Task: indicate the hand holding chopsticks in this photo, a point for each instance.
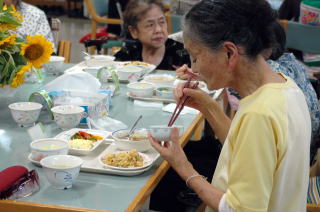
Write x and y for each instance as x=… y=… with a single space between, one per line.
x=181 y=102
x=183 y=72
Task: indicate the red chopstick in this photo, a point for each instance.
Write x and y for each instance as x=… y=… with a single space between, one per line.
x=181 y=98
x=181 y=104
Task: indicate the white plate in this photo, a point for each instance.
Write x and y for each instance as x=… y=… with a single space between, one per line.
x=147 y=161
x=37 y=163
x=142 y=65
x=154 y=98
x=68 y=134
x=160 y=79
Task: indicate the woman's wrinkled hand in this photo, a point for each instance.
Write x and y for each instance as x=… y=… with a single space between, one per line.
x=198 y=100
x=171 y=151
x=182 y=72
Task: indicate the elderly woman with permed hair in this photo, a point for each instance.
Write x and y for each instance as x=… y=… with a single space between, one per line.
x=264 y=162
x=146 y=23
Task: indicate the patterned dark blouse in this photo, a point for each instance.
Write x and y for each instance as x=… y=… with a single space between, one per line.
x=175 y=54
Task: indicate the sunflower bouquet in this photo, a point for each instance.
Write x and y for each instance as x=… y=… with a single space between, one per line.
x=18 y=56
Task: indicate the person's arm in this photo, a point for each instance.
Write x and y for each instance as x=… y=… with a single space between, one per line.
x=315 y=168
x=218 y=120
x=176 y=157
x=210 y=108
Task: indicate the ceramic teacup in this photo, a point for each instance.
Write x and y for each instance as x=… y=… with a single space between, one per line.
x=68 y=116
x=54 y=65
x=25 y=113
x=61 y=170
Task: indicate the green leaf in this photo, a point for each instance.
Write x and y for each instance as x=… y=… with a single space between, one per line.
x=7 y=18
x=1 y=5
x=13 y=74
x=19 y=59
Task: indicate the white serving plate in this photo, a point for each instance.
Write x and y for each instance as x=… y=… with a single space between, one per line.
x=147 y=161
x=147 y=68
x=154 y=98
x=66 y=135
x=92 y=164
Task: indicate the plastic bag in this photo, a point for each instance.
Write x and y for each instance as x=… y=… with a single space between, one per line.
x=106 y=123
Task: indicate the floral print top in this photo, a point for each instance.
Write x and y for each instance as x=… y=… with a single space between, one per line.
x=290 y=66
x=34 y=22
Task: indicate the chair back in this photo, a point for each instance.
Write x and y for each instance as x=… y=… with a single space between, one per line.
x=173 y=22
x=302 y=37
x=93 y=6
x=101 y=7
x=64 y=50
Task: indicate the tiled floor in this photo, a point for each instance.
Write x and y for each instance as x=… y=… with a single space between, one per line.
x=72 y=29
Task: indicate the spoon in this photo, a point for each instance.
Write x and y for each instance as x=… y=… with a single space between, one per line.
x=87 y=54
x=134 y=124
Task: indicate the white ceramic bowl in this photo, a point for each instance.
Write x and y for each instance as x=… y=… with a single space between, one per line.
x=42 y=148
x=129 y=144
x=98 y=60
x=25 y=113
x=61 y=170
x=129 y=72
x=165 y=92
x=68 y=116
x=163 y=132
x=54 y=66
x=141 y=89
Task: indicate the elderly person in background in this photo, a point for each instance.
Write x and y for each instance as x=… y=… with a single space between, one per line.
x=146 y=23
x=264 y=162
x=34 y=20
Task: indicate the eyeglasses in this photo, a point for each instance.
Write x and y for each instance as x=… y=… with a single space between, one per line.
x=25 y=186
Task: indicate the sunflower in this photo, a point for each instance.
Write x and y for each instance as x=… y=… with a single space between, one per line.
x=5 y=27
x=16 y=14
x=19 y=78
x=37 y=50
x=8 y=41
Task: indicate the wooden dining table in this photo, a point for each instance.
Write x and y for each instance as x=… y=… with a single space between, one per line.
x=91 y=191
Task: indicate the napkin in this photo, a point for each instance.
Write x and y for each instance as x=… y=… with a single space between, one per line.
x=148 y=104
x=186 y=110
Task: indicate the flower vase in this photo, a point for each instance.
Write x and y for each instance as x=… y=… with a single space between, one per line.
x=7 y=96
x=34 y=75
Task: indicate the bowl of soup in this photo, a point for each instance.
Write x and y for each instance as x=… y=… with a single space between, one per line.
x=129 y=73
x=61 y=170
x=165 y=92
x=163 y=132
x=42 y=148
x=137 y=140
x=141 y=89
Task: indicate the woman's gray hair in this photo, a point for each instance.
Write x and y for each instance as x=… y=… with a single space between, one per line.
x=246 y=23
